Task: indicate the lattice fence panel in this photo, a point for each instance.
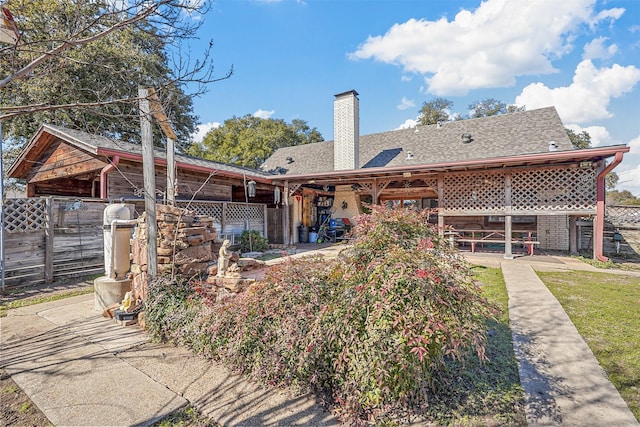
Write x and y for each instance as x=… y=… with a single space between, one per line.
x=554 y=189
x=473 y=192
x=431 y=183
x=623 y=214
x=210 y=209
x=23 y=215
x=240 y=212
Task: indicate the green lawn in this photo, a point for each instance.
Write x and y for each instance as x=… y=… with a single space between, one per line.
x=490 y=393
x=605 y=308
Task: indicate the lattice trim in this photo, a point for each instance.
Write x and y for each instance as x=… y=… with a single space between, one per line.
x=554 y=189
x=474 y=192
x=623 y=214
x=210 y=209
x=23 y=215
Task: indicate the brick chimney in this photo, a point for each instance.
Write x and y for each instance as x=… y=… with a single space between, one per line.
x=346 y=130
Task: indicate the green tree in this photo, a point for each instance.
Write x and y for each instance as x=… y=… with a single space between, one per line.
x=434 y=111
x=491 y=107
x=623 y=197
x=249 y=140
x=611 y=180
x=79 y=63
x=487 y=107
x=580 y=140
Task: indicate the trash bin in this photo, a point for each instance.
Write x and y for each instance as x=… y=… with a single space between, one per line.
x=313 y=237
x=303 y=234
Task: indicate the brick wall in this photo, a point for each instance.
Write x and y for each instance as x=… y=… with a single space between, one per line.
x=553 y=232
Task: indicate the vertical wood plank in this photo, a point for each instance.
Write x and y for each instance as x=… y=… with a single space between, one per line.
x=48 y=241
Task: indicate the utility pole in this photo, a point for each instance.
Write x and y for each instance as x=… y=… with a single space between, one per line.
x=149 y=177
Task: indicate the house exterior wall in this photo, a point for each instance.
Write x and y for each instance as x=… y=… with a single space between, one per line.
x=344 y=193
x=553 y=232
x=127 y=181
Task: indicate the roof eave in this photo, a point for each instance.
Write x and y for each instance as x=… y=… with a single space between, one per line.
x=183 y=165
x=526 y=159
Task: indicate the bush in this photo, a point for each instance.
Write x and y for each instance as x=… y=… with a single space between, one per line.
x=253 y=241
x=370 y=331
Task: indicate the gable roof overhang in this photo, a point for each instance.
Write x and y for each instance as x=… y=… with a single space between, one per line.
x=529 y=160
x=102 y=146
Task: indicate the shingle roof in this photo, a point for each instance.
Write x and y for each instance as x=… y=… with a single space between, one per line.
x=515 y=134
x=92 y=143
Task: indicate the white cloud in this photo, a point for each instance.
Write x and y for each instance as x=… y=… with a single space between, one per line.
x=484 y=48
x=599 y=135
x=203 y=129
x=263 y=114
x=408 y=124
x=634 y=144
x=629 y=179
x=629 y=170
x=596 y=49
x=588 y=96
x=406 y=103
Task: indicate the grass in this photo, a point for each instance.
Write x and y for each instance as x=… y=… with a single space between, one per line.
x=41 y=299
x=188 y=416
x=604 y=309
x=490 y=393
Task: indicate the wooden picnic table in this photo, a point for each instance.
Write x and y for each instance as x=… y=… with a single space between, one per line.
x=482 y=236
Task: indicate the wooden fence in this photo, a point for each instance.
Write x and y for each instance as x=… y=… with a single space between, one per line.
x=52 y=239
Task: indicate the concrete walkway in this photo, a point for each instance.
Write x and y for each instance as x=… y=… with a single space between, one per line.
x=562 y=380
x=82 y=369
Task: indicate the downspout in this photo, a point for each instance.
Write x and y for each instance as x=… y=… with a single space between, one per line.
x=598 y=237
x=103 y=175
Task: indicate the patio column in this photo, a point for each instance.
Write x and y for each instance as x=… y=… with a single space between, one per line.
x=508 y=253
x=286 y=227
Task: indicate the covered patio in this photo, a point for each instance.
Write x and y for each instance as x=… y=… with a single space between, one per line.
x=531 y=201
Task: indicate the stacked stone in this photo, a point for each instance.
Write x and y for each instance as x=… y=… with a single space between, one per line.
x=185 y=245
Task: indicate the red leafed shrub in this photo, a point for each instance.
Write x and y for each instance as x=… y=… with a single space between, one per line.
x=369 y=331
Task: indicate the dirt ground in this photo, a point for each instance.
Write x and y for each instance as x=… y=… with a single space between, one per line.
x=16 y=409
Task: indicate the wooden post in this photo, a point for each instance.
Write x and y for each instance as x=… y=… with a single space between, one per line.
x=149 y=177
x=573 y=235
x=441 y=223
x=171 y=172
x=165 y=125
x=48 y=241
x=508 y=252
x=287 y=214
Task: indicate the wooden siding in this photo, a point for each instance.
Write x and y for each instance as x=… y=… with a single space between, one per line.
x=62 y=160
x=126 y=181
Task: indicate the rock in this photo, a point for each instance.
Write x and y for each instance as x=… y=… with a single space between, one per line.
x=200 y=253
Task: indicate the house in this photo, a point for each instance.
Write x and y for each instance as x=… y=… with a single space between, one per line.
x=493 y=176
x=64 y=162
x=510 y=179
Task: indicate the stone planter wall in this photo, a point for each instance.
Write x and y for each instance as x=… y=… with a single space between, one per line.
x=187 y=247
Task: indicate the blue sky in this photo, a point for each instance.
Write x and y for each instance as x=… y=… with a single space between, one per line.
x=290 y=57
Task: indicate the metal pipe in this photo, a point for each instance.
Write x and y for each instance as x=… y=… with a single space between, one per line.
x=103 y=175
x=112 y=274
x=598 y=237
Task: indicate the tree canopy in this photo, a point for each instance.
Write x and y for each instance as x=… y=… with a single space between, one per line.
x=579 y=140
x=79 y=63
x=491 y=107
x=249 y=140
x=434 y=111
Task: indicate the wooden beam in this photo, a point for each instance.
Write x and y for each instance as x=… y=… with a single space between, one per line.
x=149 y=177
x=160 y=116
